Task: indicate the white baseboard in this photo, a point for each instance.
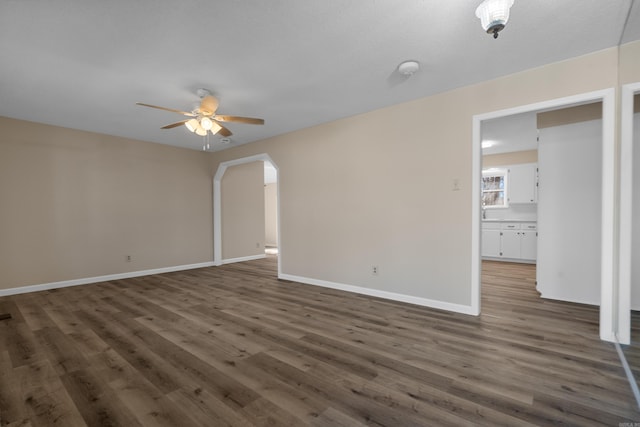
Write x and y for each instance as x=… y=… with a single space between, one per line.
x=242 y=259
x=332 y=285
x=571 y=300
x=97 y=279
x=458 y=308
x=516 y=260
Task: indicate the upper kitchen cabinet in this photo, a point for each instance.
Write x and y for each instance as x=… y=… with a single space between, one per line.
x=523 y=183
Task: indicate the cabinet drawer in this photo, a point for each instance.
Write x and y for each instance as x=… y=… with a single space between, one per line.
x=510 y=226
x=491 y=226
x=529 y=226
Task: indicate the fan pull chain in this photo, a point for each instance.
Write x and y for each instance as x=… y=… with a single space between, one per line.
x=205 y=145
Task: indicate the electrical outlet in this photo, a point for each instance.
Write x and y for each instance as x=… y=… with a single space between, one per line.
x=374 y=270
x=455 y=184
x=127 y=258
x=257 y=244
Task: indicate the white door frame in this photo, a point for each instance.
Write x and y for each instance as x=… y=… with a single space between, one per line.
x=217 y=204
x=626 y=204
x=607 y=288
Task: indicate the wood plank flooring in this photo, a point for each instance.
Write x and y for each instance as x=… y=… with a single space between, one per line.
x=234 y=346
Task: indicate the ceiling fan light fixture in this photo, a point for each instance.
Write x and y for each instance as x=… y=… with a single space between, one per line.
x=215 y=127
x=494 y=15
x=192 y=125
x=201 y=131
x=206 y=123
x=202 y=119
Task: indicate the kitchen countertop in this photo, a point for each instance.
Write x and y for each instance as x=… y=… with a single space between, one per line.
x=509 y=220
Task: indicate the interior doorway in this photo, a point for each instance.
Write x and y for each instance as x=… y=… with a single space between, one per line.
x=628 y=331
x=270 y=209
x=606 y=257
x=629 y=293
x=509 y=204
x=218 y=207
x=540 y=203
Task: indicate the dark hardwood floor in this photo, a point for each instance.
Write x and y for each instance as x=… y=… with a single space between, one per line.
x=234 y=346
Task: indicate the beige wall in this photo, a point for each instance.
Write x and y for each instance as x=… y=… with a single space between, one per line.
x=630 y=63
x=358 y=192
x=547 y=119
x=567 y=116
x=74 y=204
x=271 y=214
x=243 y=218
x=513 y=158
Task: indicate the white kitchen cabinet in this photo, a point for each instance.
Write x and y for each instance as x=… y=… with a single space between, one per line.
x=523 y=183
x=528 y=244
x=510 y=244
x=491 y=240
x=510 y=241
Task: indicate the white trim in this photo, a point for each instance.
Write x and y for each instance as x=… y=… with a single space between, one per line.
x=607 y=96
x=98 y=279
x=243 y=259
x=608 y=257
x=217 y=221
x=626 y=214
x=217 y=205
x=464 y=309
x=476 y=220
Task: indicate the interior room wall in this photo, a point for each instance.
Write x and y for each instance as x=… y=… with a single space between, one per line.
x=407 y=216
x=567 y=116
x=635 y=238
x=74 y=204
x=513 y=158
x=271 y=214
x=243 y=211
x=390 y=200
x=629 y=70
x=569 y=212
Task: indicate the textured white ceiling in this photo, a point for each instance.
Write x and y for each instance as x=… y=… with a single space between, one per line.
x=84 y=63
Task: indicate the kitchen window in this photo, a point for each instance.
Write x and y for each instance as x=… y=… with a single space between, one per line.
x=494 y=188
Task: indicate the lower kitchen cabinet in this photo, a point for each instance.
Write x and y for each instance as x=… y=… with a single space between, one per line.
x=510 y=244
x=510 y=241
x=528 y=244
x=491 y=242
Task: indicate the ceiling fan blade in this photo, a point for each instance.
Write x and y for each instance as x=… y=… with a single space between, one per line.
x=208 y=105
x=238 y=119
x=224 y=131
x=166 y=109
x=175 y=125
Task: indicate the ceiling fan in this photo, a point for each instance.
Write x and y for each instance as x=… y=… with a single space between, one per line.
x=204 y=118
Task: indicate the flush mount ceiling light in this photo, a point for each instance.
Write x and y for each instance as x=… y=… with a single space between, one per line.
x=408 y=68
x=494 y=15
